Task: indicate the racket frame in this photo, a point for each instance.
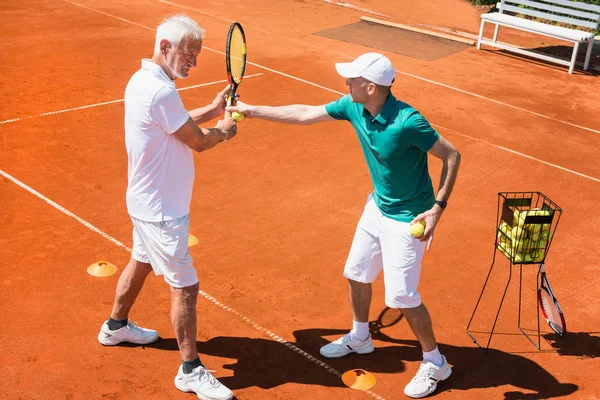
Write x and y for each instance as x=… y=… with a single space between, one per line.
x=230 y=80
x=544 y=285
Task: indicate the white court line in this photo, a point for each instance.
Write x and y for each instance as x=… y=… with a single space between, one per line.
x=462 y=134
x=520 y=154
x=213 y=50
x=110 y=15
x=114 y=101
x=500 y=102
x=207 y=296
x=348 y=5
x=401 y=72
x=64 y=210
x=334 y=91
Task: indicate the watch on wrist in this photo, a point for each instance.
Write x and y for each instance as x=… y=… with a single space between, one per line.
x=441 y=203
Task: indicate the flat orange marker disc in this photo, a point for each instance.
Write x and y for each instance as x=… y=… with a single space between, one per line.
x=101 y=269
x=192 y=240
x=359 y=379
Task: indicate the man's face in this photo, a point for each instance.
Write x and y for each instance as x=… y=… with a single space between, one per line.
x=179 y=61
x=359 y=89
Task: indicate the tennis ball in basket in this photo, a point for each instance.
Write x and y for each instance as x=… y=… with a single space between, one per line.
x=546 y=235
x=519 y=218
x=236 y=116
x=537 y=256
x=504 y=247
x=517 y=244
x=517 y=232
x=504 y=227
x=535 y=228
x=417 y=228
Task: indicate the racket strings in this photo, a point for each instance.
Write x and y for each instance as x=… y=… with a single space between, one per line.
x=237 y=51
x=551 y=312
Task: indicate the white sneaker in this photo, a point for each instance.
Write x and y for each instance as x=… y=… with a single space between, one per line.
x=130 y=333
x=425 y=381
x=201 y=382
x=347 y=344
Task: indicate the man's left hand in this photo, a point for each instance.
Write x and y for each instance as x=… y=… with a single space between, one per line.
x=431 y=218
x=221 y=100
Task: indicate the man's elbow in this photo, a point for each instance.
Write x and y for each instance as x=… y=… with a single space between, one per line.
x=457 y=156
x=197 y=145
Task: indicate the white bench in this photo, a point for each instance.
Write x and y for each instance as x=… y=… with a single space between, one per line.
x=578 y=14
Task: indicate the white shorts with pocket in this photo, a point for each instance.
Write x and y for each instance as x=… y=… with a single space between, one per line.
x=381 y=243
x=164 y=245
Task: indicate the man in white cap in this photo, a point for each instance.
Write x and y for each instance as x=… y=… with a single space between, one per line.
x=395 y=140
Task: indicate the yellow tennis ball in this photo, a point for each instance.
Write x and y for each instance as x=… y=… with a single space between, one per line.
x=518 y=232
x=417 y=228
x=236 y=116
x=538 y=256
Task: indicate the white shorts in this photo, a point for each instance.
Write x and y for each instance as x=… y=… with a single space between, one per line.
x=164 y=245
x=384 y=243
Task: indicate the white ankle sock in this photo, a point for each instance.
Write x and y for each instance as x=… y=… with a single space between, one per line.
x=434 y=356
x=360 y=329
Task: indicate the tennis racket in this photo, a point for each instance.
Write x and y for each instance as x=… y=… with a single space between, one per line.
x=235 y=59
x=549 y=305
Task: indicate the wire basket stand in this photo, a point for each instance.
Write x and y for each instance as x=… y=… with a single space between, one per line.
x=525 y=226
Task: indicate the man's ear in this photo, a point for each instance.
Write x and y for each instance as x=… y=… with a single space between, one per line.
x=165 y=45
x=371 y=88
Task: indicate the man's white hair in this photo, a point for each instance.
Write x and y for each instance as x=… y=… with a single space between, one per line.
x=175 y=28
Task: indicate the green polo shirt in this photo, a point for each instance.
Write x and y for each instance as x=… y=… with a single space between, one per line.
x=395 y=144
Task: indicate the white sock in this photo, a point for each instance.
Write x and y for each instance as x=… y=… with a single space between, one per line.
x=434 y=356
x=360 y=329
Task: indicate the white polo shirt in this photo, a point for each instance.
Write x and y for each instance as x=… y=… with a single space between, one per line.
x=161 y=167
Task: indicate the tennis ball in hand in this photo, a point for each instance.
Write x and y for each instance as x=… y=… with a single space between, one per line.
x=236 y=116
x=417 y=228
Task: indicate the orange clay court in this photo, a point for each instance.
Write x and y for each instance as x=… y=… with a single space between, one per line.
x=275 y=209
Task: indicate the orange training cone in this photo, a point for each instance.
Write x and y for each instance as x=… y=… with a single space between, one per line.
x=359 y=379
x=192 y=240
x=101 y=269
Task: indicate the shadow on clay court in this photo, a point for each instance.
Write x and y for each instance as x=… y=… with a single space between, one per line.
x=578 y=344
x=266 y=363
x=563 y=52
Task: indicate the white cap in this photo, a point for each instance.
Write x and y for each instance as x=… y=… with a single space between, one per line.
x=374 y=67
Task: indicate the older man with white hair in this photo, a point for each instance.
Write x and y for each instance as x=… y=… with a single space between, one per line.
x=160 y=137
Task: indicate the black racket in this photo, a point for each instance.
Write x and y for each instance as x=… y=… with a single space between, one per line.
x=549 y=305
x=235 y=59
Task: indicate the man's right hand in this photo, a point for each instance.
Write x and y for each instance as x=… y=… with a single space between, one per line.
x=242 y=108
x=228 y=126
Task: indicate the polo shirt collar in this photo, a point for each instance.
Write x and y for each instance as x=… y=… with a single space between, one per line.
x=149 y=65
x=385 y=111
